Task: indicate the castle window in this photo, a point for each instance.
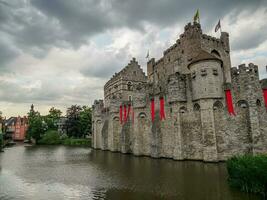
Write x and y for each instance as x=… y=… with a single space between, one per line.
x=130 y=98
x=196 y=107
x=194 y=75
x=215 y=72
x=258 y=102
x=129 y=86
x=142 y=115
x=242 y=104
x=139 y=86
x=116 y=86
x=182 y=110
x=217 y=105
x=215 y=53
x=203 y=72
x=134 y=73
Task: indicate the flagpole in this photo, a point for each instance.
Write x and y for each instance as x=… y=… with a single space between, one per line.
x=220 y=27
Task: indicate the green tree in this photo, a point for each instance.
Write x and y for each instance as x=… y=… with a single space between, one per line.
x=52 y=118
x=74 y=121
x=37 y=125
x=79 y=121
x=86 y=119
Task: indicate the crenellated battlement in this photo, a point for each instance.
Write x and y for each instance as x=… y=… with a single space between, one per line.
x=170 y=48
x=190 y=27
x=98 y=104
x=243 y=70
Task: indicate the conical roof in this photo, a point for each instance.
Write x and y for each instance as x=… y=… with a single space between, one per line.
x=203 y=55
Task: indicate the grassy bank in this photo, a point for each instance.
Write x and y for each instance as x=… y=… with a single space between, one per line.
x=53 y=138
x=248 y=173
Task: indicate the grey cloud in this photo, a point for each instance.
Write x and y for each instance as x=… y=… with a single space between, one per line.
x=38 y=25
x=251 y=38
x=84 y=18
x=7 y=53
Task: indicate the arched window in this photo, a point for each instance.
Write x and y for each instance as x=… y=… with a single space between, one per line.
x=142 y=115
x=242 y=104
x=258 y=103
x=183 y=109
x=215 y=53
x=217 y=105
x=129 y=86
x=116 y=118
x=196 y=107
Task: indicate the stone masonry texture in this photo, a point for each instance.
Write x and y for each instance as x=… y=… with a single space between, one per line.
x=192 y=77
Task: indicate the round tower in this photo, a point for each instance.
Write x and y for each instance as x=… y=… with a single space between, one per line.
x=207 y=76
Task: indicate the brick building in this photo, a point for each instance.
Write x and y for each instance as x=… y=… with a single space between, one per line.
x=17 y=127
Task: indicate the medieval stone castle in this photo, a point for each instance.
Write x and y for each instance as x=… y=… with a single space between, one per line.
x=191 y=104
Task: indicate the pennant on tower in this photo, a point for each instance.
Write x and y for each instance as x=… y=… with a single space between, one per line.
x=218 y=26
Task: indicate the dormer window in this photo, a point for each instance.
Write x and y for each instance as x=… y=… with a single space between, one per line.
x=203 y=72
x=194 y=75
x=139 y=86
x=129 y=86
x=215 y=72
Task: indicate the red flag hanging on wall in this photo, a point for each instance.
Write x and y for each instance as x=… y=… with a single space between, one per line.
x=121 y=114
x=229 y=102
x=152 y=109
x=161 y=108
x=265 y=96
x=125 y=113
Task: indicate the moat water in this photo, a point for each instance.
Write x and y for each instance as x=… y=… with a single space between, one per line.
x=58 y=172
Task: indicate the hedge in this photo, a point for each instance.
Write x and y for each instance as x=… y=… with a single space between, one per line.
x=248 y=173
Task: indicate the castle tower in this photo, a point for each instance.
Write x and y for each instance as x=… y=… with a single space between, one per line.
x=191 y=40
x=207 y=80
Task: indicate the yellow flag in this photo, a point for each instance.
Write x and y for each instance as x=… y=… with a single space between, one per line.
x=196 y=17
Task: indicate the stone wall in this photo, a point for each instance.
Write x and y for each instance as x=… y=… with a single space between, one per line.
x=192 y=77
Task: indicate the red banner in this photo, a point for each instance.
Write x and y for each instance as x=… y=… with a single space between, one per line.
x=229 y=102
x=125 y=113
x=121 y=114
x=265 y=96
x=161 y=109
x=152 y=109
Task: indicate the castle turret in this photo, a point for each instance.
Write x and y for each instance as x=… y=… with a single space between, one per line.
x=150 y=69
x=207 y=76
x=191 y=40
x=207 y=79
x=97 y=120
x=227 y=61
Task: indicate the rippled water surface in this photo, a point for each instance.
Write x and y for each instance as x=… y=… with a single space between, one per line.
x=55 y=173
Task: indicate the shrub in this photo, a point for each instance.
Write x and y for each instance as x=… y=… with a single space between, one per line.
x=77 y=142
x=248 y=173
x=50 y=137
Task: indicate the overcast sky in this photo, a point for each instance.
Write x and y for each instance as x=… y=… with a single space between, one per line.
x=61 y=52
